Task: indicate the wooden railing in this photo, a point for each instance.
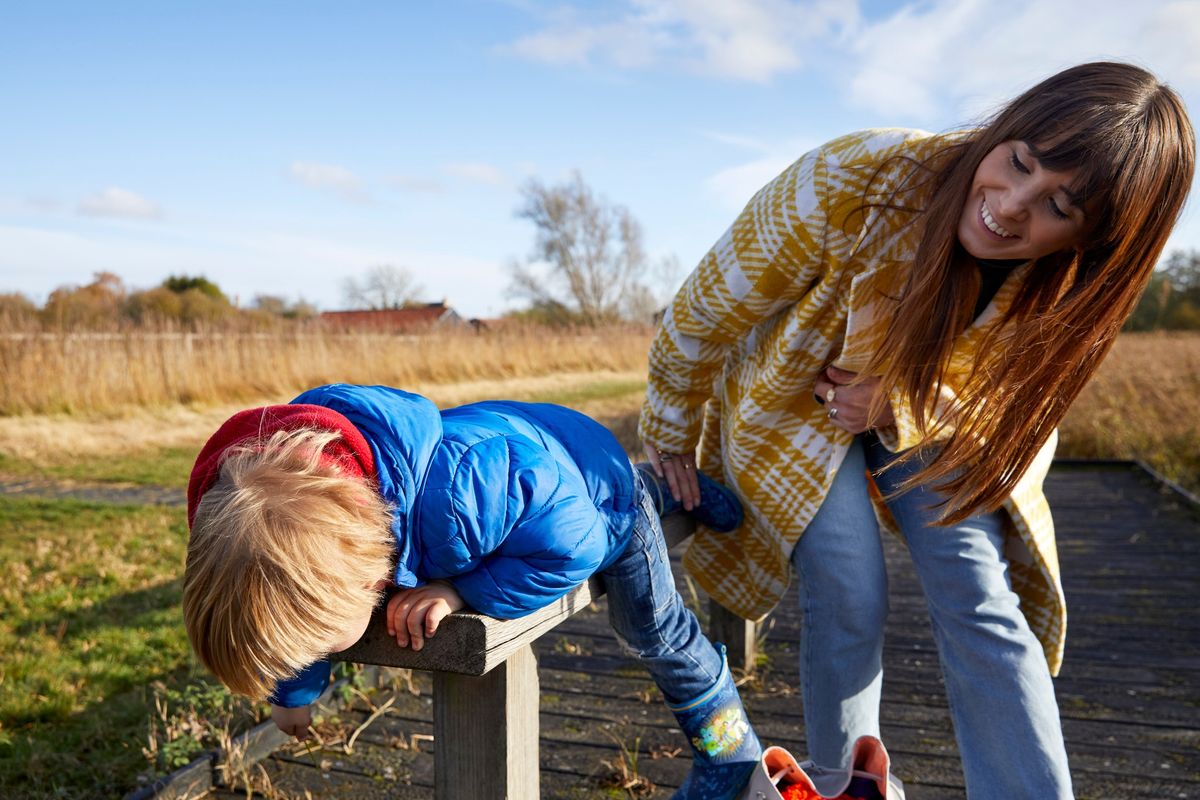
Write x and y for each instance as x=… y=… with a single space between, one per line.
x=485 y=686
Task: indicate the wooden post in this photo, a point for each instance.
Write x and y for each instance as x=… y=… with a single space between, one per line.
x=738 y=635
x=724 y=626
x=485 y=732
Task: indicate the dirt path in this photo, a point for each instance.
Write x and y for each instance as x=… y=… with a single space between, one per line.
x=115 y=493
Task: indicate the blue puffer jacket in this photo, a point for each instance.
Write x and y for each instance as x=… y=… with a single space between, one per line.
x=515 y=504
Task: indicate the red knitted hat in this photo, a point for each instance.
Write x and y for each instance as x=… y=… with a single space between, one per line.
x=350 y=452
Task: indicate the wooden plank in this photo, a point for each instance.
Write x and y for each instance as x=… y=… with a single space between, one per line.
x=186 y=783
x=468 y=643
x=486 y=732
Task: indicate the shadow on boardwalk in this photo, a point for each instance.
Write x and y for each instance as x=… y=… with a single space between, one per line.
x=1128 y=691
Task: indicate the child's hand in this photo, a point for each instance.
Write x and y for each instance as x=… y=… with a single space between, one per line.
x=413 y=615
x=292 y=721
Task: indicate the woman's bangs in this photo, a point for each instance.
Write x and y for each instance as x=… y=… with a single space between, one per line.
x=1098 y=158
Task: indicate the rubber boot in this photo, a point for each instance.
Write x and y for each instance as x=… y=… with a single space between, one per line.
x=725 y=749
x=718 y=509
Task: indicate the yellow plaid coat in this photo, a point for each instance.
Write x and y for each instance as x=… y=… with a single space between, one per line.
x=801 y=281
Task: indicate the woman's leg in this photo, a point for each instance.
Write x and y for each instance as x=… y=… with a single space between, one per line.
x=843 y=599
x=999 y=687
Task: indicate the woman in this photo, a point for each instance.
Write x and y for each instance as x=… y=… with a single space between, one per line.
x=892 y=330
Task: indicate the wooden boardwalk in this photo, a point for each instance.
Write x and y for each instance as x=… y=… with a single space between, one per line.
x=1129 y=690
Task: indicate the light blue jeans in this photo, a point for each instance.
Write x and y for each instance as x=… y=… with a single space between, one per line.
x=649 y=616
x=997 y=681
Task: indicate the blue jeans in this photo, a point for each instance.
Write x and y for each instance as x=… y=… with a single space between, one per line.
x=997 y=681
x=649 y=616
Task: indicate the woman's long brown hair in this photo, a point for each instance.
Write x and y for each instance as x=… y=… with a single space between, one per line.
x=1130 y=138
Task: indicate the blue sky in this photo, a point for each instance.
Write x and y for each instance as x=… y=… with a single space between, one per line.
x=278 y=148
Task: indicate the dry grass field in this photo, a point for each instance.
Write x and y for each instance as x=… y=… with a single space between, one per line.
x=1144 y=403
x=110 y=393
x=90 y=373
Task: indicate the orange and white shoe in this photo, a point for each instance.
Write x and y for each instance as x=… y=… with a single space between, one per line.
x=869 y=776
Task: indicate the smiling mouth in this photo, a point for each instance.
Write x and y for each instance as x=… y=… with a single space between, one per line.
x=991 y=224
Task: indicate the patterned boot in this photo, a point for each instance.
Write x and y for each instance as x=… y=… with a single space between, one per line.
x=725 y=749
x=719 y=508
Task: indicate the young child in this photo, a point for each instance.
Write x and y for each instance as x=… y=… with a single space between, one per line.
x=302 y=515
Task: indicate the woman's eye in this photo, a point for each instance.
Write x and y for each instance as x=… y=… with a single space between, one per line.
x=1017 y=165
x=1056 y=211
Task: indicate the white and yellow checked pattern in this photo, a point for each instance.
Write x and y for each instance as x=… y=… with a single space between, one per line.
x=801 y=281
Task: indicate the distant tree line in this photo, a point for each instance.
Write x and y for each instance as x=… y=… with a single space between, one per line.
x=182 y=301
x=1172 y=299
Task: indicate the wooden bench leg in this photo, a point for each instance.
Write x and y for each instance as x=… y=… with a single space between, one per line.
x=737 y=634
x=485 y=732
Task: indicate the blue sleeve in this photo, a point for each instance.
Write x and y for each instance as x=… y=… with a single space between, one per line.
x=304 y=687
x=524 y=530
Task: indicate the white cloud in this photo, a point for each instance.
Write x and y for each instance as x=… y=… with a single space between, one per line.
x=42 y=204
x=749 y=40
x=734 y=186
x=961 y=58
x=413 y=183
x=1174 y=30
x=736 y=140
x=120 y=203
x=477 y=172
x=331 y=178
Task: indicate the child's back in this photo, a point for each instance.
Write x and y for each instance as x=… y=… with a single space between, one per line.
x=506 y=506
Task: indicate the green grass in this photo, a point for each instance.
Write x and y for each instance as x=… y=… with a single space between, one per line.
x=90 y=637
x=167 y=466
x=97 y=682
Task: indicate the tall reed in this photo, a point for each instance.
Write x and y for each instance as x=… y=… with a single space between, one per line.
x=74 y=371
x=1143 y=403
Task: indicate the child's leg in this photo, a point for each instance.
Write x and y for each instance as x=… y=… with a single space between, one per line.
x=651 y=620
x=719 y=508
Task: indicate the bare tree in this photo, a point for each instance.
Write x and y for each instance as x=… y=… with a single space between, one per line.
x=587 y=256
x=383 y=286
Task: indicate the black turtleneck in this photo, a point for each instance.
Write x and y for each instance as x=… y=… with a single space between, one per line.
x=992 y=274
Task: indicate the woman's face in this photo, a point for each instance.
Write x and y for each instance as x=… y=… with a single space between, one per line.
x=1016 y=209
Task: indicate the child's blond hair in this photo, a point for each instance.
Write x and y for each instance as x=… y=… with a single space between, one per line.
x=285 y=552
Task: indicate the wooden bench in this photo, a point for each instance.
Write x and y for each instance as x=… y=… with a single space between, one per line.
x=485 y=686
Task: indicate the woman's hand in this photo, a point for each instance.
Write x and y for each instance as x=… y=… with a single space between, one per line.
x=680 y=471
x=292 y=721
x=413 y=615
x=848 y=406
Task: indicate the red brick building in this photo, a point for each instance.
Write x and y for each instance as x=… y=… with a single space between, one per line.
x=413 y=319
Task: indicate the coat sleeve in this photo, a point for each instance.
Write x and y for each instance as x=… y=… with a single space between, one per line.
x=768 y=260
x=304 y=687
x=521 y=528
